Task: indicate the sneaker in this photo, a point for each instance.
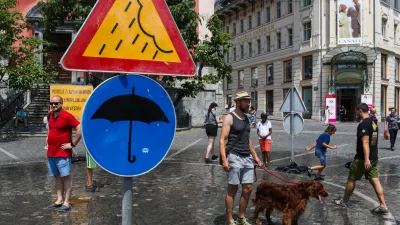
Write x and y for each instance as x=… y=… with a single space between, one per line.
x=214 y=157
x=242 y=222
x=339 y=202
x=207 y=160
x=231 y=222
x=91 y=188
x=380 y=210
x=309 y=171
x=318 y=178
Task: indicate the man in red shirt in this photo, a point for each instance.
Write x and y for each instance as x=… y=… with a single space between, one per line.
x=59 y=153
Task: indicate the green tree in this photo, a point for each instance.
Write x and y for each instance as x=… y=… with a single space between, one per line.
x=20 y=68
x=208 y=53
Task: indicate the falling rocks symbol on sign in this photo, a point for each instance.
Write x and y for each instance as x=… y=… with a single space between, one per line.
x=130 y=108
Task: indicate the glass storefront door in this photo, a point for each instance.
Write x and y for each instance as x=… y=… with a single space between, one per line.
x=349 y=97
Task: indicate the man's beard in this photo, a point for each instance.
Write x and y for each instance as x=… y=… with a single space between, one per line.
x=244 y=109
x=57 y=109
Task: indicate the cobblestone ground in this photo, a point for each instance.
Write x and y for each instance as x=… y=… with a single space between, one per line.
x=185 y=190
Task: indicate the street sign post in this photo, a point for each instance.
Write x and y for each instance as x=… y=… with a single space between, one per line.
x=127 y=36
x=123 y=37
x=298 y=124
x=128 y=126
x=293 y=104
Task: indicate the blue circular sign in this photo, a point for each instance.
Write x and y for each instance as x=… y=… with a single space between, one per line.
x=128 y=125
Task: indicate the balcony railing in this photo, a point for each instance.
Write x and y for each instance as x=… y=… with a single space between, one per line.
x=270 y=80
x=305 y=44
x=221 y=5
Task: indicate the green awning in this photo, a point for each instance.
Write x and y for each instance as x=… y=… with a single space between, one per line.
x=348 y=76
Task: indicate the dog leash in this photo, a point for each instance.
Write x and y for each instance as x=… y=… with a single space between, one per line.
x=276 y=176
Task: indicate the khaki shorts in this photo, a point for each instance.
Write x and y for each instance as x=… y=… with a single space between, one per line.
x=357 y=170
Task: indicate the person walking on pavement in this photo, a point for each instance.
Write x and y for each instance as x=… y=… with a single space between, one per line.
x=253 y=114
x=372 y=115
x=264 y=131
x=237 y=157
x=392 y=124
x=211 y=122
x=366 y=161
x=59 y=151
x=321 y=145
x=343 y=112
x=326 y=113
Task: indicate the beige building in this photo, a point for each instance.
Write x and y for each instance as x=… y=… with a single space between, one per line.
x=347 y=50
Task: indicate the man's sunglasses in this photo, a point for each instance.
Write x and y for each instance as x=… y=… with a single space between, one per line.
x=55 y=103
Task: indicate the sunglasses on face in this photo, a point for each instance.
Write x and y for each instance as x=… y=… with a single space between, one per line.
x=55 y=103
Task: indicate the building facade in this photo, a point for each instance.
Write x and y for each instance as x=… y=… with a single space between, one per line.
x=334 y=52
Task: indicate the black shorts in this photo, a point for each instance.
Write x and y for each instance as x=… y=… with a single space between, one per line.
x=211 y=130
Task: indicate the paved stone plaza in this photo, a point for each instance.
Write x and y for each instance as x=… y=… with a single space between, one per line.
x=185 y=190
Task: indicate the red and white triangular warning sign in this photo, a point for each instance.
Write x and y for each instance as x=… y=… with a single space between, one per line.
x=129 y=36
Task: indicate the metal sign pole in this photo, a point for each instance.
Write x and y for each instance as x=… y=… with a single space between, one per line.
x=127 y=201
x=291 y=124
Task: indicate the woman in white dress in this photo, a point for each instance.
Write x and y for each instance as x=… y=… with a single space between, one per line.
x=344 y=30
x=326 y=122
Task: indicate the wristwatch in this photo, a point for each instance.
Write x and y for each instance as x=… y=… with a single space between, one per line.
x=72 y=144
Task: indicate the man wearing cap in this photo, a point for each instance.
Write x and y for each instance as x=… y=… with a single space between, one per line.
x=237 y=154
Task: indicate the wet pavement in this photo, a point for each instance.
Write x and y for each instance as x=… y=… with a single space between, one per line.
x=185 y=190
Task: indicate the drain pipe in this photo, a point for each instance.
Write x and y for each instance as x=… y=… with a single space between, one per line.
x=373 y=99
x=320 y=67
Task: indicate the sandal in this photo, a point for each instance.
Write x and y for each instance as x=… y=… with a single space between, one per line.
x=54 y=206
x=380 y=210
x=64 y=208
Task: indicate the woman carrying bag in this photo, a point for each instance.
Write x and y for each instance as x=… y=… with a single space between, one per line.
x=392 y=124
x=211 y=124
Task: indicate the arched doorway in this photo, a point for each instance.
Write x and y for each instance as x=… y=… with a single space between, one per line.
x=349 y=76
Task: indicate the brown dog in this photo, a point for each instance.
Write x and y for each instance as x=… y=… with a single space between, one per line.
x=290 y=199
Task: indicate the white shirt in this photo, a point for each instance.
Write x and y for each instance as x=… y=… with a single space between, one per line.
x=232 y=109
x=263 y=128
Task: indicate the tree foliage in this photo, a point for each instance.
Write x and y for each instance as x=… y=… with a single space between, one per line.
x=209 y=53
x=20 y=68
x=56 y=12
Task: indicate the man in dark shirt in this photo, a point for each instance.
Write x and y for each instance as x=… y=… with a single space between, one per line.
x=366 y=160
x=238 y=161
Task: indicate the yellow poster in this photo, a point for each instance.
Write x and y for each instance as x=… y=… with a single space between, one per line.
x=74 y=96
